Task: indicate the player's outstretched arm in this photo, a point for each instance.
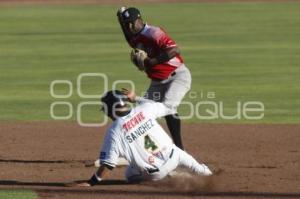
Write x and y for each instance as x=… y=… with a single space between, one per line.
x=157 y=108
x=133 y=98
x=130 y=94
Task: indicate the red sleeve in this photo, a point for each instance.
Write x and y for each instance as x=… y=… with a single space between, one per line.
x=163 y=40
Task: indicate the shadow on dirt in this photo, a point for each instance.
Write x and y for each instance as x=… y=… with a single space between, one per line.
x=44 y=161
x=41 y=187
x=174 y=193
x=55 y=184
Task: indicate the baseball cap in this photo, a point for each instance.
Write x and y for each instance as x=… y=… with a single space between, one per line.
x=131 y=14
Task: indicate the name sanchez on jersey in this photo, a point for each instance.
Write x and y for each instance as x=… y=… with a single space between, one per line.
x=144 y=126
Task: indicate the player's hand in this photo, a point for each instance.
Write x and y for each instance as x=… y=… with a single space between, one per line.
x=130 y=94
x=138 y=57
x=121 y=10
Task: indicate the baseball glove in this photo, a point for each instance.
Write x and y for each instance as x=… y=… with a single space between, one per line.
x=138 y=57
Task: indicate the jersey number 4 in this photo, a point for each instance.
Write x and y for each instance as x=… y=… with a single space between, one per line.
x=149 y=144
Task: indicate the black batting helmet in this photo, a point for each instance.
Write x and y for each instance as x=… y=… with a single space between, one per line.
x=112 y=100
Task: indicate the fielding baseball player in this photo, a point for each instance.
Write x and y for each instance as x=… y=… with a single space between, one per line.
x=155 y=53
x=136 y=135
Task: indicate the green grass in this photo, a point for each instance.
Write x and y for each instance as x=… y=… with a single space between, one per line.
x=240 y=51
x=8 y=194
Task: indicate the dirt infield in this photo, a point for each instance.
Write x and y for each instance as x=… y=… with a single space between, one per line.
x=256 y=161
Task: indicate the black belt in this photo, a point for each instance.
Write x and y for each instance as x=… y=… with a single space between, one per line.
x=171 y=154
x=173 y=74
x=152 y=170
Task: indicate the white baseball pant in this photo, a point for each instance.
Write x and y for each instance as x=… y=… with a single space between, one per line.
x=179 y=158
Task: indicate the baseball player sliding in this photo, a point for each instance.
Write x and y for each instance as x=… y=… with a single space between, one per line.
x=156 y=54
x=136 y=135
